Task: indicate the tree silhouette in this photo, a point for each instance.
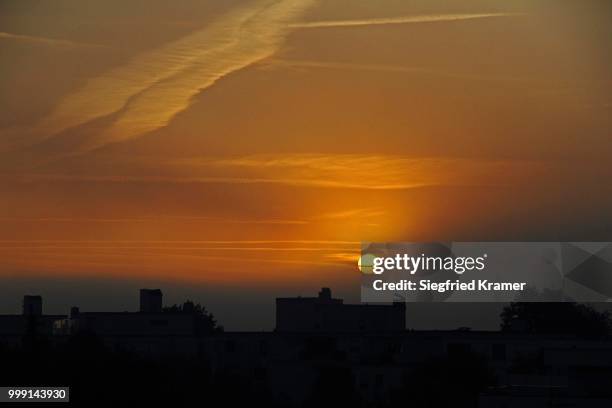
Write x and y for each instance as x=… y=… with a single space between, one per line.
x=556 y=318
x=205 y=321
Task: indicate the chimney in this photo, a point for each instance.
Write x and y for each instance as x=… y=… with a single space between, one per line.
x=32 y=305
x=151 y=300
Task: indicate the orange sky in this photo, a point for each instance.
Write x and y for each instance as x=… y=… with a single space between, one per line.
x=259 y=141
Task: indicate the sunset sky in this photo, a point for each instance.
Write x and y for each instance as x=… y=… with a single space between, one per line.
x=244 y=148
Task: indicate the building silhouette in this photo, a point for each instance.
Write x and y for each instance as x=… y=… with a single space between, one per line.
x=32 y=305
x=151 y=330
x=326 y=314
x=32 y=321
x=367 y=347
x=151 y=300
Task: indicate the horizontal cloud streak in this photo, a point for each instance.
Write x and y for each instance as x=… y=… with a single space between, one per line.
x=401 y=20
x=346 y=171
x=213 y=180
x=46 y=41
x=189 y=260
x=153 y=219
x=378 y=172
x=352 y=214
x=392 y=69
x=173 y=242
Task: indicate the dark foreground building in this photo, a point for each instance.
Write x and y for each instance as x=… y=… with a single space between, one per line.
x=322 y=353
x=326 y=314
x=149 y=331
x=32 y=321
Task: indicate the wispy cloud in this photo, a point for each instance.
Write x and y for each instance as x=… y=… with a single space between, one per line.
x=149 y=91
x=358 y=213
x=306 y=182
x=346 y=171
x=286 y=63
x=432 y=18
x=190 y=260
x=146 y=93
x=54 y=42
x=164 y=218
x=376 y=172
x=182 y=242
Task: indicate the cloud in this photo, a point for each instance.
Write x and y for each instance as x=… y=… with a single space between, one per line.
x=54 y=42
x=149 y=91
x=389 y=68
x=359 y=213
x=163 y=258
x=172 y=242
x=164 y=218
x=344 y=171
x=354 y=213
x=305 y=182
x=375 y=172
x=146 y=93
x=434 y=18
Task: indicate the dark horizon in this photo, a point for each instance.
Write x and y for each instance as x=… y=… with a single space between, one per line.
x=236 y=309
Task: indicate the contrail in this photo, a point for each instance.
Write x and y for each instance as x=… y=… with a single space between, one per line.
x=146 y=93
x=46 y=41
x=150 y=90
x=401 y=20
x=255 y=38
x=388 y=68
